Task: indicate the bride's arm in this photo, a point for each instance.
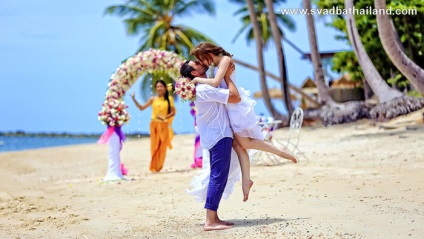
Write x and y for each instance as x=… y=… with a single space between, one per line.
x=223 y=67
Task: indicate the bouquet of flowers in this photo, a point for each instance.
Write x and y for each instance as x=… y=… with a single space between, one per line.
x=185 y=89
x=114 y=113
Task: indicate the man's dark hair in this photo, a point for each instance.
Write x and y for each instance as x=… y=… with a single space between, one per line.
x=186 y=70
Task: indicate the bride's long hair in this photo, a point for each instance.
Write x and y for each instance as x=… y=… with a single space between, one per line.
x=202 y=50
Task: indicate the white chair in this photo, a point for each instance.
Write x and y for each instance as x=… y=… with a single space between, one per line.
x=258 y=157
x=292 y=144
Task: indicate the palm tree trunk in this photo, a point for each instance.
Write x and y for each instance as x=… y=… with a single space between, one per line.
x=331 y=112
x=380 y=88
x=259 y=48
x=281 y=59
x=387 y=33
x=392 y=101
x=323 y=92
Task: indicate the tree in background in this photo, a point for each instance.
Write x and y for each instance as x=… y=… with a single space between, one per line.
x=154 y=20
x=260 y=27
x=395 y=51
x=323 y=91
x=392 y=103
x=276 y=33
x=409 y=28
x=331 y=111
x=380 y=88
x=259 y=55
x=261 y=11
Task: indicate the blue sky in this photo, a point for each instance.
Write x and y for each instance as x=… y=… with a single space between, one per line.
x=57 y=58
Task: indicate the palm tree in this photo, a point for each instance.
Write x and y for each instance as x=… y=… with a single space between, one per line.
x=280 y=53
x=259 y=54
x=260 y=29
x=380 y=88
x=323 y=91
x=155 y=21
x=394 y=49
x=261 y=11
x=392 y=102
x=331 y=112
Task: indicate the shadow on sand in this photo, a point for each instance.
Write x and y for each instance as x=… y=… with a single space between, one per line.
x=184 y=170
x=261 y=221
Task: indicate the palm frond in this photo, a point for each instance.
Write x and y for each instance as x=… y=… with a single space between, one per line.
x=163 y=43
x=244 y=27
x=134 y=26
x=124 y=10
x=250 y=36
x=243 y=2
x=153 y=33
x=195 y=6
x=185 y=39
x=241 y=10
x=286 y=21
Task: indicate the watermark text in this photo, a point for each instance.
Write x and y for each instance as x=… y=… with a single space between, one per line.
x=348 y=11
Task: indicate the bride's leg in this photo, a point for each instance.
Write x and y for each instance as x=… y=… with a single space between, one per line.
x=249 y=143
x=245 y=169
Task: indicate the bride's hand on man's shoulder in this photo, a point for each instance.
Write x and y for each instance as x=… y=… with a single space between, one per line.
x=194 y=80
x=228 y=73
x=232 y=66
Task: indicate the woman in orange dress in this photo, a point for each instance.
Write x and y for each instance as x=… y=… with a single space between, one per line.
x=161 y=133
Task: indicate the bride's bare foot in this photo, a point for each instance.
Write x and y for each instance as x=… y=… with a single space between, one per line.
x=216 y=226
x=246 y=189
x=287 y=155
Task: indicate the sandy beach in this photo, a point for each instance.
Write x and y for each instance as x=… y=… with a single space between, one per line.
x=362 y=180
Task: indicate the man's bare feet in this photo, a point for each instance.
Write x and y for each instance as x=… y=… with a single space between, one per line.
x=246 y=189
x=223 y=222
x=226 y=223
x=215 y=226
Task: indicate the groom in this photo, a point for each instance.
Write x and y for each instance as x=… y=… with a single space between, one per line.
x=215 y=135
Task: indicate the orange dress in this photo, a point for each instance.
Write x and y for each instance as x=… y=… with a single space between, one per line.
x=161 y=133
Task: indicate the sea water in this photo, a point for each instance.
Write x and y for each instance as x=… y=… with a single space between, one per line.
x=16 y=143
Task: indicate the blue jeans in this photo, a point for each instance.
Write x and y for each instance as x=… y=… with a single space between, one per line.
x=220 y=158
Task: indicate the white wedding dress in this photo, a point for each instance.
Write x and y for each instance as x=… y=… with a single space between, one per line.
x=243 y=121
x=200 y=183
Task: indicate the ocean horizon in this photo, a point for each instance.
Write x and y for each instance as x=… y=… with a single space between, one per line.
x=18 y=141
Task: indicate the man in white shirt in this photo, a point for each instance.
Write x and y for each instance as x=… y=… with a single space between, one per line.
x=216 y=135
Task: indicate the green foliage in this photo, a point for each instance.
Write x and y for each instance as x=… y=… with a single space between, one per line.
x=263 y=20
x=409 y=29
x=414 y=93
x=154 y=21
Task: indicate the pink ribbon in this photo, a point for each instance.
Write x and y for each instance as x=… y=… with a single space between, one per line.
x=104 y=138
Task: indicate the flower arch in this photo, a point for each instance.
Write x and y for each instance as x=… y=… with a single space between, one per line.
x=113 y=112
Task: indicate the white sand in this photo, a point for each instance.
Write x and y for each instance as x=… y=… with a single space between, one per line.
x=362 y=181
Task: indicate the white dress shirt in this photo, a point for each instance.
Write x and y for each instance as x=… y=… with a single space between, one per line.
x=212 y=119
